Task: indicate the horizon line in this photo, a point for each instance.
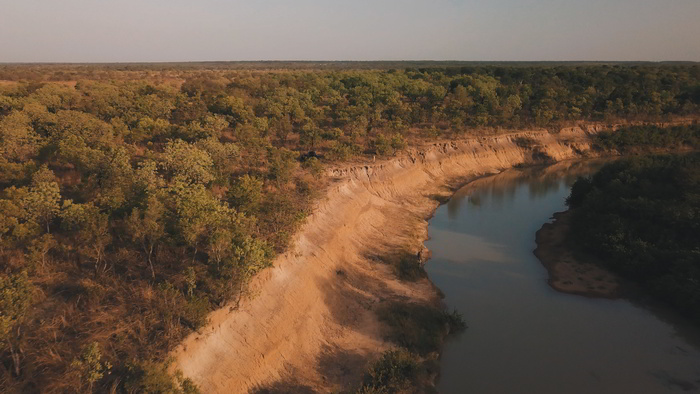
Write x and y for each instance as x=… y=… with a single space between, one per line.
x=336 y=61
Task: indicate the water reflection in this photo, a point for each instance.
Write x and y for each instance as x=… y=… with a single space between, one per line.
x=501 y=189
x=476 y=247
x=524 y=337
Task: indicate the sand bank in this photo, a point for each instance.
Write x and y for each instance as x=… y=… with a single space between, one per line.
x=310 y=323
x=569 y=273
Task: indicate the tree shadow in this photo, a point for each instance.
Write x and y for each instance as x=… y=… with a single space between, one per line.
x=337 y=368
x=341 y=367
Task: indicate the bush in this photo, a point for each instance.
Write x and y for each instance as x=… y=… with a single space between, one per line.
x=419 y=328
x=196 y=311
x=525 y=142
x=246 y=193
x=281 y=164
x=394 y=372
x=398 y=142
x=432 y=132
x=342 y=151
x=151 y=377
x=382 y=146
x=313 y=165
x=409 y=268
x=90 y=365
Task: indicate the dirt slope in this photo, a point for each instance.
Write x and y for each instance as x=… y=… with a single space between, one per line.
x=310 y=324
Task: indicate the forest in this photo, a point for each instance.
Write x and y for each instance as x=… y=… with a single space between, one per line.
x=648 y=138
x=135 y=199
x=641 y=218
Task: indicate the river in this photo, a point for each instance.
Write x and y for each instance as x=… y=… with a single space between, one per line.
x=525 y=337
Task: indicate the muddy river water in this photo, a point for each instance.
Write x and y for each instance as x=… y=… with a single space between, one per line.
x=525 y=337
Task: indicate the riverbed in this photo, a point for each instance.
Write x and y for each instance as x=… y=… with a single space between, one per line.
x=525 y=337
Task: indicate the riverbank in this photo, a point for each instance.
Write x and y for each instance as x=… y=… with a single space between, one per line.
x=310 y=322
x=482 y=242
x=610 y=215
x=569 y=273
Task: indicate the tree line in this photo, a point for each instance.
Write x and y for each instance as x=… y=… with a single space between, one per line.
x=641 y=218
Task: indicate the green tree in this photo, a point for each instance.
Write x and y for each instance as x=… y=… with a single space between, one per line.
x=211 y=126
x=283 y=127
x=15 y=300
x=15 y=223
x=338 y=151
x=250 y=256
x=309 y=135
x=9 y=219
x=40 y=247
x=147 y=227
x=200 y=216
x=224 y=156
x=91 y=230
x=187 y=160
x=246 y=193
x=382 y=145
x=151 y=377
x=115 y=179
x=281 y=164
x=73 y=151
x=395 y=372
x=149 y=129
x=253 y=255
x=146 y=178
x=94 y=132
x=18 y=140
x=90 y=365
x=43 y=200
x=232 y=107
x=56 y=97
x=397 y=142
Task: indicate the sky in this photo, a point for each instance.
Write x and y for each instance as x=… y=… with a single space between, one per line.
x=227 y=30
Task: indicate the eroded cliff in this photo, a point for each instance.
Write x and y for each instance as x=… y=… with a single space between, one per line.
x=310 y=322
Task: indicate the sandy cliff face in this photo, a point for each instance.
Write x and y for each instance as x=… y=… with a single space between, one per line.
x=311 y=322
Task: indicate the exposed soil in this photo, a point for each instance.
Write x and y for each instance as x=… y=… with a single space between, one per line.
x=310 y=323
x=568 y=273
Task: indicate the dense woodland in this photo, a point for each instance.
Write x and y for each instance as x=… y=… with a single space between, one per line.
x=641 y=218
x=646 y=139
x=134 y=199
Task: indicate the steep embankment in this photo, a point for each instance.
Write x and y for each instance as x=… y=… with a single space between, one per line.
x=310 y=323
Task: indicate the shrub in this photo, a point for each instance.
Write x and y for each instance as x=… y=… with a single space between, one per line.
x=90 y=365
x=313 y=165
x=419 y=328
x=246 y=193
x=408 y=267
x=151 y=377
x=395 y=371
x=342 y=151
x=382 y=146
x=398 y=142
x=525 y=142
x=15 y=300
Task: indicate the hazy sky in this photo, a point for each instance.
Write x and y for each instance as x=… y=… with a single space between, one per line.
x=179 y=30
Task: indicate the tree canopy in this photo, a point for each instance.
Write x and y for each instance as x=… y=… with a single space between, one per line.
x=641 y=217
